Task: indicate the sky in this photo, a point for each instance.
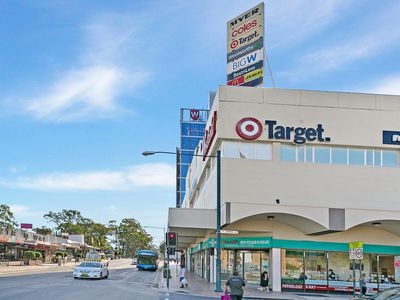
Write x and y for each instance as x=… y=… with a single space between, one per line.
x=87 y=86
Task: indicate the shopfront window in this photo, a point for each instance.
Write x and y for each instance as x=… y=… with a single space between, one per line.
x=315 y=265
x=293 y=276
x=288 y=153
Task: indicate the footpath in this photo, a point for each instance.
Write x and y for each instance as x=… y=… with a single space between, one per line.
x=199 y=287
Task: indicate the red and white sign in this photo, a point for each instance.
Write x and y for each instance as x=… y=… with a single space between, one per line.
x=26 y=226
x=195 y=114
x=249 y=128
x=209 y=136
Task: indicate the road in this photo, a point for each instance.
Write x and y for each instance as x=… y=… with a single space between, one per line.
x=124 y=282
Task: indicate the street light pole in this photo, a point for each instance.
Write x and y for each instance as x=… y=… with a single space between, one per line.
x=218 y=287
x=166 y=256
x=218 y=262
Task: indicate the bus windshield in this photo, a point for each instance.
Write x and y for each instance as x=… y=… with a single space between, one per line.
x=147 y=260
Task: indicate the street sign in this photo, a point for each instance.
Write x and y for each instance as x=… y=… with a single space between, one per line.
x=225 y=231
x=356 y=250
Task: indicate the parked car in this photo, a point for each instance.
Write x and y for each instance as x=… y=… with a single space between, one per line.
x=134 y=261
x=387 y=294
x=91 y=269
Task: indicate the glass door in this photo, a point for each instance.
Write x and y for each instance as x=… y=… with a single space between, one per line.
x=252 y=267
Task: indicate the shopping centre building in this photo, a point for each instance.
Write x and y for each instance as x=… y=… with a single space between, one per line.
x=303 y=173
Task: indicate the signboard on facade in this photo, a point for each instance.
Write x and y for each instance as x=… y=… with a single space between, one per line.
x=391 y=137
x=26 y=226
x=245 y=48
x=356 y=250
x=242 y=242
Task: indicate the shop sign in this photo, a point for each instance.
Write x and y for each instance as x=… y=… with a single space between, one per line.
x=26 y=226
x=242 y=243
x=356 y=250
x=258 y=44
x=209 y=136
x=245 y=47
x=391 y=137
x=250 y=128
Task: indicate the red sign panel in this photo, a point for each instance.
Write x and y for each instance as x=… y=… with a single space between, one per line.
x=209 y=135
x=195 y=114
x=26 y=226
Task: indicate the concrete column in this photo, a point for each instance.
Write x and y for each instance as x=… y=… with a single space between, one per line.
x=276 y=269
x=212 y=268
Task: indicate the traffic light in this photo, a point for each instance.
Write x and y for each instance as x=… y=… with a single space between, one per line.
x=172 y=239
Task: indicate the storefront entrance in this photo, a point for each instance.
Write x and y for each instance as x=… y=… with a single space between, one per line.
x=248 y=263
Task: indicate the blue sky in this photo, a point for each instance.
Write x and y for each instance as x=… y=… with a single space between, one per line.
x=86 y=86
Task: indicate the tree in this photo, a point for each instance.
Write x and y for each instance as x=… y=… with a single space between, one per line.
x=72 y=222
x=43 y=230
x=132 y=237
x=7 y=219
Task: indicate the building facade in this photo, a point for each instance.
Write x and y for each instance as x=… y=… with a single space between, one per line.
x=303 y=174
x=192 y=124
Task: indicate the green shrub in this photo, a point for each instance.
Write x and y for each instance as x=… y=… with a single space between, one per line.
x=60 y=253
x=29 y=254
x=38 y=254
x=78 y=255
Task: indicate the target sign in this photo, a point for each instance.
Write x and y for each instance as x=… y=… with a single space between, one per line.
x=249 y=128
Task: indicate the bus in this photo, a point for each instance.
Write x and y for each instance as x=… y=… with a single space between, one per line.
x=147 y=260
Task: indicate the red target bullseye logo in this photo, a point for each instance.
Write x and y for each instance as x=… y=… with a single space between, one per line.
x=249 y=128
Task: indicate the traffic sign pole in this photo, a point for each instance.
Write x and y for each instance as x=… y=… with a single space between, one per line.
x=354 y=277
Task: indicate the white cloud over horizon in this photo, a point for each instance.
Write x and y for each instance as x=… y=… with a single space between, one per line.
x=141 y=176
x=389 y=85
x=91 y=87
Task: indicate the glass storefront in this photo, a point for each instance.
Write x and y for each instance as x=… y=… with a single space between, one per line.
x=333 y=271
x=248 y=263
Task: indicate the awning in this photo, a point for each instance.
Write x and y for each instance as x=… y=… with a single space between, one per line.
x=191 y=224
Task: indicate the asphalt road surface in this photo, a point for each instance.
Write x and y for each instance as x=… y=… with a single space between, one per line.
x=124 y=282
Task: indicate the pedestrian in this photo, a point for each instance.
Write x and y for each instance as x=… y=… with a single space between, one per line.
x=235 y=284
x=182 y=279
x=264 y=281
x=364 y=282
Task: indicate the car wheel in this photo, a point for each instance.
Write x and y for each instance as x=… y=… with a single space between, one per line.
x=101 y=275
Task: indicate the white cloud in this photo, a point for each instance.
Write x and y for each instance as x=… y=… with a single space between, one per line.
x=84 y=94
x=363 y=41
x=389 y=85
x=16 y=208
x=22 y=211
x=146 y=175
x=293 y=22
x=92 y=88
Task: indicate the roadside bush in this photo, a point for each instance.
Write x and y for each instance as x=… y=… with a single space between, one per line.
x=60 y=253
x=78 y=255
x=38 y=255
x=29 y=254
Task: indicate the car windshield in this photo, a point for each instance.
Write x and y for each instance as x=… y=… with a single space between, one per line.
x=90 y=265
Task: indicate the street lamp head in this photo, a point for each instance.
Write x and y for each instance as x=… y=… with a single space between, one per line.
x=147 y=153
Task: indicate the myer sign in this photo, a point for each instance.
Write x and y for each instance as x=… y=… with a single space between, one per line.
x=250 y=129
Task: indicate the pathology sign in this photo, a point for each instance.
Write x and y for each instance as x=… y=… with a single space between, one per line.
x=391 y=137
x=250 y=128
x=245 y=48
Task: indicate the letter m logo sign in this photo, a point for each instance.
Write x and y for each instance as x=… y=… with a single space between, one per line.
x=194 y=114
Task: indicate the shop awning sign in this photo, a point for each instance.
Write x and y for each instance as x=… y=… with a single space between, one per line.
x=356 y=250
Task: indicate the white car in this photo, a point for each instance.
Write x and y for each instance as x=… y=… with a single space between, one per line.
x=134 y=261
x=91 y=269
